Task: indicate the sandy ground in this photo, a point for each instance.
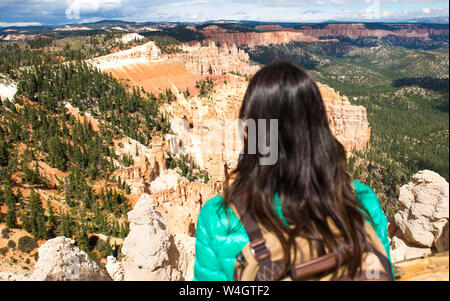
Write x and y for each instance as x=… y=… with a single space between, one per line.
x=9 y=269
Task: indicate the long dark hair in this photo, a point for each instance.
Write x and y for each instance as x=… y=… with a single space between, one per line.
x=310 y=174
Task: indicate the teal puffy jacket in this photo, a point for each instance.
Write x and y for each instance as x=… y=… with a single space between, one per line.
x=220 y=238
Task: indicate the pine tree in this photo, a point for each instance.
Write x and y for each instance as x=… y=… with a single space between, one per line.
x=37 y=216
x=10 y=201
x=4 y=152
x=65 y=226
x=11 y=215
x=108 y=248
x=52 y=221
x=82 y=238
x=25 y=220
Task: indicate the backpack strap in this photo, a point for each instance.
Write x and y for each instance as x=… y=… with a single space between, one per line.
x=258 y=244
x=328 y=261
x=313 y=267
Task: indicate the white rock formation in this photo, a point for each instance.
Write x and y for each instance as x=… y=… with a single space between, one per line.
x=184 y=142
x=168 y=179
x=140 y=54
x=424 y=212
x=8 y=88
x=148 y=162
x=60 y=260
x=150 y=252
x=145 y=249
x=130 y=37
x=424 y=208
x=185 y=246
x=441 y=243
x=115 y=269
x=400 y=251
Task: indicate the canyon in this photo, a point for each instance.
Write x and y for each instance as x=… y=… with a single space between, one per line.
x=161 y=241
x=357 y=30
x=177 y=200
x=212 y=60
x=252 y=39
x=276 y=34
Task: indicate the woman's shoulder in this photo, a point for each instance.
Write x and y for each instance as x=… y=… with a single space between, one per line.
x=365 y=195
x=369 y=200
x=216 y=214
x=213 y=203
x=213 y=209
x=361 y=188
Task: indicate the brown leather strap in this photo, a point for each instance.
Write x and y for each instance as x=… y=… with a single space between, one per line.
x=313 y=267
x=258 y=244
x=327 y=262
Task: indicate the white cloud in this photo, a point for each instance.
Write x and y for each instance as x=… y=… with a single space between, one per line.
x=75 y=7
x=57 y=12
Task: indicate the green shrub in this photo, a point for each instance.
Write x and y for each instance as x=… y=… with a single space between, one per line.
x=27 y=244
x=3 y=251
x=5 y=233
x=11 y=244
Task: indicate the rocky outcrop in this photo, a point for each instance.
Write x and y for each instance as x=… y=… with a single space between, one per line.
x=60 y=260
x=145 y=249
x=181 y=206
x=150 y=252
x=148 y=162
x=213 y=60
x=402 y=250
x=166 y=181
x=130 y=37
x=8 y=87
x=276 y=34
x=348 y=122
x=424 y=208
x=357 y=30
x=441 y=243
x=182 y=255
x=419 y=225
x=115 y=269
x=139 y=54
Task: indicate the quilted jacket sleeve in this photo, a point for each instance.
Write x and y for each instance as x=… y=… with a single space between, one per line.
x=379 y=222
x=207 y=266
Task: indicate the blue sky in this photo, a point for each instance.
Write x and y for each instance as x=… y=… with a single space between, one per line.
x=37 y=12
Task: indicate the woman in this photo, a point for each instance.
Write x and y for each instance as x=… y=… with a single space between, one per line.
x=298 y=195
